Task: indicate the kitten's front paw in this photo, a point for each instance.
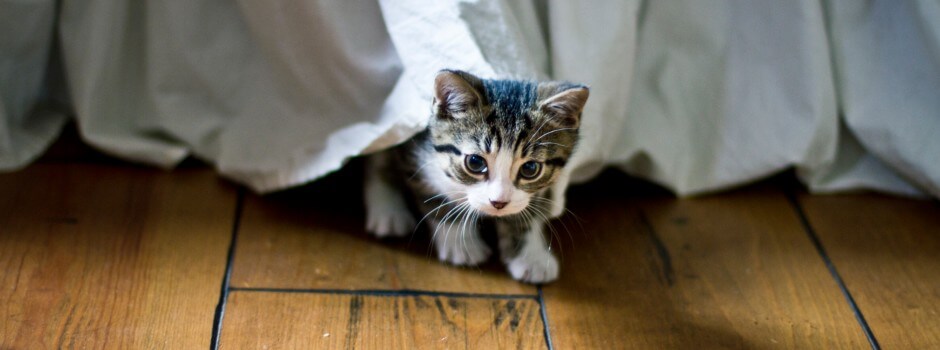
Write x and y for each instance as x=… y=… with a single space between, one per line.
x=534 y=266
x=469 y=252
x=388 y=221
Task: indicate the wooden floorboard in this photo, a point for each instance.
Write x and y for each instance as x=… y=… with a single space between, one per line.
x=109 y=255
x=729 y=271
x=96 y=256
x=314 y=239
x=260 y=320
x=887 y=251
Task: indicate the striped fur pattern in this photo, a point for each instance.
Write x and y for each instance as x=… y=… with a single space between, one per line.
x=492 y=150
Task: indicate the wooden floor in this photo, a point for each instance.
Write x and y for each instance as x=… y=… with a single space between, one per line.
x=108 y=255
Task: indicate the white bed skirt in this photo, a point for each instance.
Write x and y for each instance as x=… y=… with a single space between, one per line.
x=697 y=96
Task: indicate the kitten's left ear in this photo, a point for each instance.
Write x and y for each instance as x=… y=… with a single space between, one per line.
x=564 y=103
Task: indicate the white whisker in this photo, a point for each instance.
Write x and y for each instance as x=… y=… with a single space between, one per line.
x=421 y=168
x=442 y=194
x=551 y=143
x=463 y=229
x=435 y=211
x=529 y=141
x=540 y=211
x=552 y=132
x=575 y=216
x=443 y=221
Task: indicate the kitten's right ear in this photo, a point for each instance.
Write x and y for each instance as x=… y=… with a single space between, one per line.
x=456 y=92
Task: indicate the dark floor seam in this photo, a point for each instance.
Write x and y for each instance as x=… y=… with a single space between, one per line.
x=223 y=294
x=386 y=293
x=665 y=259
x=544 y=312
x=808 y=228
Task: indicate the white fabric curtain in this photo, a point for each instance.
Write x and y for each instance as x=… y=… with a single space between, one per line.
x=695 y=95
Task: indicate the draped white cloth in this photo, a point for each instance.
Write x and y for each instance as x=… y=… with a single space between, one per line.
x=695 y=95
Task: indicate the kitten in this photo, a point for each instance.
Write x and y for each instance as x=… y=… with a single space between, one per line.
x=492 y=149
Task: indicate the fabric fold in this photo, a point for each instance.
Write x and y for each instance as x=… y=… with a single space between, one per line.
x=696 y=97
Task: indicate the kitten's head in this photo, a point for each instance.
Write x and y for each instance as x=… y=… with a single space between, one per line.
x=502 y=141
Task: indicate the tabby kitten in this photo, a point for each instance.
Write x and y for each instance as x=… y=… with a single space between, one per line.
x=492 y=150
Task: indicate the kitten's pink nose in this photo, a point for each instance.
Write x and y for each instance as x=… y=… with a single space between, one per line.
x=498 y=205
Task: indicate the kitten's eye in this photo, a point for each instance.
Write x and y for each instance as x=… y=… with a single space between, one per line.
x=475 y=164
x=530 y=169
